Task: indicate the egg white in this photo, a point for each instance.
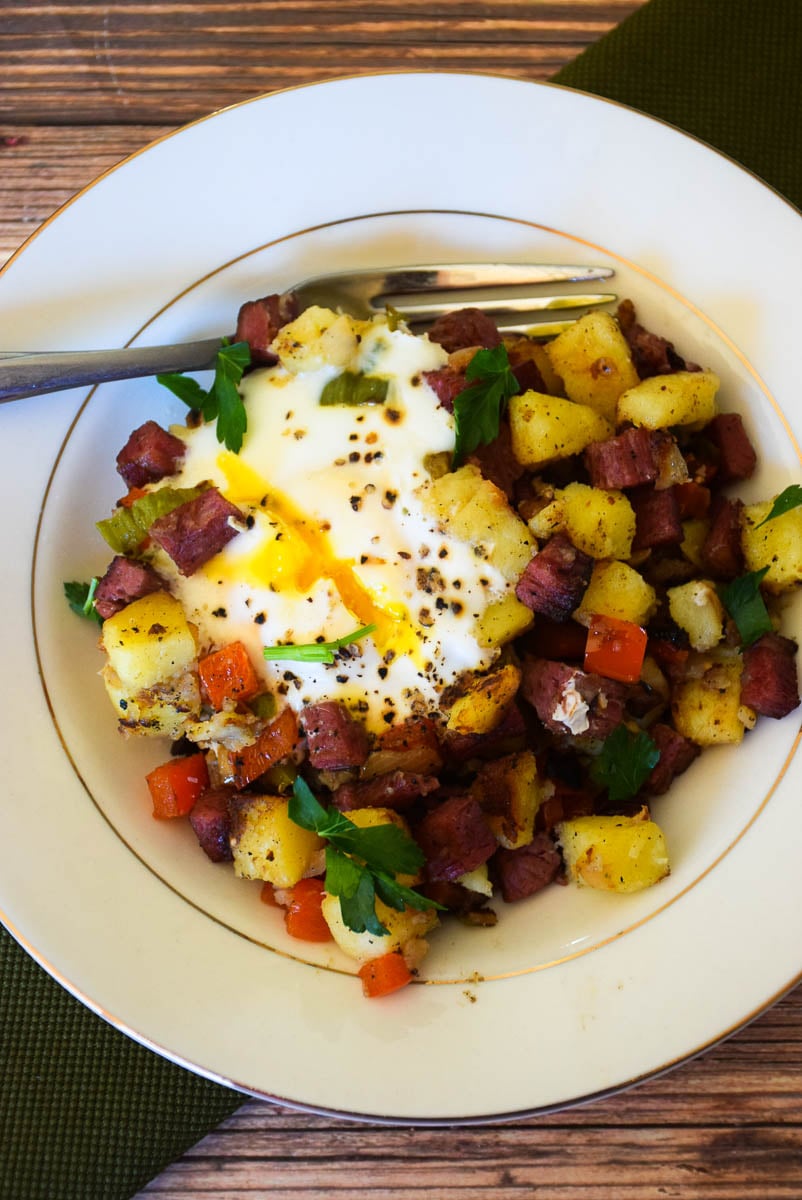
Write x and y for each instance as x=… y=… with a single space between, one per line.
x=336 y=537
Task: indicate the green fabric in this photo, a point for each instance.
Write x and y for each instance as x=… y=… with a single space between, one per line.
x=84 y=1112
x=727 y=71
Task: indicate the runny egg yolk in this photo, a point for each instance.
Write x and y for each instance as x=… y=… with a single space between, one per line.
x=295 y=552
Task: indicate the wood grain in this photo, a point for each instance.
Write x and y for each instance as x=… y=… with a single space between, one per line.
x=728 y=1125
x=140 y=62
x=82 y=86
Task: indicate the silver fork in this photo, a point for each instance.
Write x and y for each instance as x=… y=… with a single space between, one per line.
x=418 y=293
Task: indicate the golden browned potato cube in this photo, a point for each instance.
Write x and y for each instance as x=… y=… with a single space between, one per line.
x=683 y=398
x=161 y=711
x=708 y=709
x=696 y=608
x=599 y=522
x=318 y=337
x=406 y=931
x=614 y=854
x=487 y=696
x=594 y=362
x=546 y=428
x=617 y=590
x=267 y=844
x=776 y=545
x=510 y=795
x=474 y=510
x=502 y=621
x=694 y=532
x=148 y=642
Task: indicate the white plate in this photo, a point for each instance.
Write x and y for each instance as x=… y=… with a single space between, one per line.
x=581 y=993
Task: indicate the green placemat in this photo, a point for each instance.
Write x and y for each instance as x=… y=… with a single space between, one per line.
x=85 y=1113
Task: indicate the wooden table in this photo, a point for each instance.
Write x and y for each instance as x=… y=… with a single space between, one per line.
x=84 y=84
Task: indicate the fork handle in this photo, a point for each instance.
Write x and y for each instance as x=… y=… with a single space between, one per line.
x=35 y=373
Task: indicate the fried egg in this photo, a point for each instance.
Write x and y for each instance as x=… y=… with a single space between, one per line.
x=336 y=533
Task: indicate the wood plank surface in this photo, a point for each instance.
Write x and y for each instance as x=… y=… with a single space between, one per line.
x=82 y=86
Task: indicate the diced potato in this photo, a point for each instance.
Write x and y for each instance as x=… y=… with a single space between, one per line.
x=683 y=398
x=545 y=428
x=406 y=931
x=510 y=795
x=599 y=522
x=614 y=854
x=477 y=880
x=594 y=362
x=502 y=621
x=160 y=711
x=473 y=509
x=267 y=844
x=316 y=338
x=148 y=642
x=694 y=532
x=696 y=608
x=617 y=590
x=708 y=709
x=482 y=706
x=776 y=545
x=549 y=519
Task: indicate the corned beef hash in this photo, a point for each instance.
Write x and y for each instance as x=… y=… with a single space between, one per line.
x=429 y=619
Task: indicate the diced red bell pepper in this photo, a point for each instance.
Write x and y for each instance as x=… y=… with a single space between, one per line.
x=615 y=649
x=176 y=785
x=227 y=674
x=274 y=743
x=268 y=895
x=381 y=976
x=304 y=917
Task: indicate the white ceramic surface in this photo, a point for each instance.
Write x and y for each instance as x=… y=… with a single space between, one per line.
x=582 y=993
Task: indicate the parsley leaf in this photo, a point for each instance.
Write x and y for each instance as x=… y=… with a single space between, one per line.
x=479 y=407
x=80 y=596
x=624 y=764
x=322 y=652
x=361 y=864
x=222 y=401
x=790 y=498
x=745 y=604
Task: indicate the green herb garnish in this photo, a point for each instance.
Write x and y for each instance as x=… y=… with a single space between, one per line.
x=361 y=864
x=352 y=388
x=743 y=601
x=322 y=652
x=479 y=407
x=624 y=764
x=790 y=498
x=222 y=402
x=128 y=527
x=80 y=597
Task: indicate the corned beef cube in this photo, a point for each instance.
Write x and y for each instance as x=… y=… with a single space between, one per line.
x=622 y=462
x=568 y=700
x=523 y=872
x=335 y=740
x=737 y=454
x=455 y=838
x=396 y=789
x=125 y=581
x=259 y=321
x=676 y=755
x=722 y=554
x=212 y=825
x=150 y=454
x=769 y=683
x=657 y=520
x=554 y=581
x=194 y=532
x=464 y=327
x=446 y=383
